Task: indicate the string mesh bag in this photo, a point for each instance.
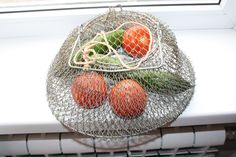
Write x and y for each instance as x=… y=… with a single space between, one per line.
x=119 y=74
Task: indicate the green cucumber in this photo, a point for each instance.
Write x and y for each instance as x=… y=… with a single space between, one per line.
x=114 y=39
x=156 y=81
x=160 y=82
x=108 y=60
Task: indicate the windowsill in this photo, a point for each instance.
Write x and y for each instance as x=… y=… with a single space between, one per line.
x=23 y=104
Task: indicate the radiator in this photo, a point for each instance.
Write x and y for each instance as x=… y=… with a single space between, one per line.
x=178 y=141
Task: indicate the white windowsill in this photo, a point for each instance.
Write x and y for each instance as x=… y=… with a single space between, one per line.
x=24 y=62
x=30 y=41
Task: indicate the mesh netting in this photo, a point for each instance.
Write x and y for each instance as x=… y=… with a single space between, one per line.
x=119 y=74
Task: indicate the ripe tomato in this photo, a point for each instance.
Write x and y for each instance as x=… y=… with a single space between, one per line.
x=136 y=41
x=127 y=99
x=89 y=90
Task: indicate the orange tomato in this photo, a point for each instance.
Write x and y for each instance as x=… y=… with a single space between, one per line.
x=136 y=41
x=127 y=99
x=89 y=90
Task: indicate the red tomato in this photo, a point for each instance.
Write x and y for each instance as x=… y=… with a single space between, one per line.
x=136 y=41
x=89 y=90
x=127 y=99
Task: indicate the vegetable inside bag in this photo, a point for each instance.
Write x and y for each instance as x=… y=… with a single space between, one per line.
x=120 y=74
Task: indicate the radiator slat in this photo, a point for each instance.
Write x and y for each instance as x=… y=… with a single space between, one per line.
x=44 y=144
x=75 y=143
x=13 y=145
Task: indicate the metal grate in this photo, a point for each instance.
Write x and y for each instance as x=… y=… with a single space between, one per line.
x=178 y=152
x=163 y=85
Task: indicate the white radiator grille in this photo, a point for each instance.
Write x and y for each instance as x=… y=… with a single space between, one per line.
x=183 y=152
x=179 y=142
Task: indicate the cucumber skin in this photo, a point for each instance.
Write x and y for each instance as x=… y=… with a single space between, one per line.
x=156 y=81
x=108 y=60
x=114 y=39
x=160 y=82
x=151 y=80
